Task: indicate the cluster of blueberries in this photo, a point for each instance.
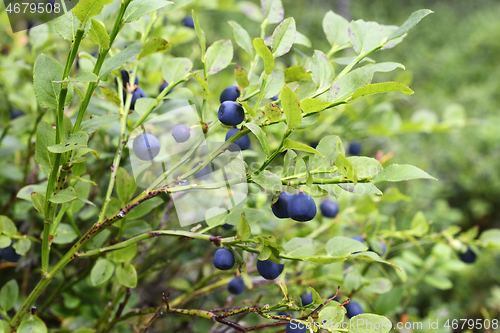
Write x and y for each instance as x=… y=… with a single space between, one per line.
x=301 y=207
x=231 y=113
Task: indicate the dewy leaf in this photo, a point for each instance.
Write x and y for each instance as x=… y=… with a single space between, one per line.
x=32 y=325
x=119 y=59
x=290 y=144
x=139 y=8
x=45 y=137
x=101 y=272
x=261 y=136
x=66 y=26
x=377 y=88
x=347 y=84
x=240 y=74
x=175 y=70
x=284 y=37
x=66 y=195
x=45 y=71
x=8 y=295
x=242 y=38
x=92 y=125
x=322 y=71
x=272 y=10
x=346 y=168
x=268 y=180
x=412 y=21
x=219 y=56
x=126 y=275
x=343 y=246
x=99 y=35
x=244 y=231
x=335 y=28
x=265 y=54
x=86 y=9
x=153 y=45
x=397 y=173
x=291 y=108
x=76 y=140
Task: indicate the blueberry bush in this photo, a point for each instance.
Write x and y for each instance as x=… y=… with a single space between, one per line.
x=110 y=163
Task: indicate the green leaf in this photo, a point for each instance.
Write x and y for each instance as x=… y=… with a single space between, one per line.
x=327 y=147
x=289 y=163
x=5 y=241
x=272 y=10
x=86 y=9
x=251 y=214
x=490 y=238
x=22 y=246
x=126 y=275
x=240 y=74
x=335 y=28
x=322 y=71
x=139 y=8
x=32 y=325
x=343 y=246
x=386 y=66
x=290 y=144
x=366 y=36
x=291 y=108
x=45 y=137
x=66 y=26
x=361 y=188
x=64 y=234
x=38 y=201
x=242 y=38
x=66 y=195
x=99 y=35
x=302 y=39
x=346 y=85
x=332 y=313
x=397 y=173
x=218 y=56
x=412 y=21
x=199 y=32
x=311 y=105
x=272 y=112
x=134 y=228
x=439 y=282
x=265 y=54
x=45 y=71
x=244 y=231
x=274 y=83
x=283 y=37
x=144 y=208
x=125 y=185
x=300 y=247
x=76 y=140
x=101 y=272
x=377 y=88
x=260 y=135
x=111 y=95
x=83 y=76
x=268 y=180
x=144 y=104
x=125 y=254
x=370 y=323
x=370 y=256
x=248 y=109
x=419 y=225
x=153 y=45
x=296 y=73
x=346 y=168
x=7 y=226
x=175 y=70
x=95 y=123
x=120 y=58
x=365 y=166
x=8 y=295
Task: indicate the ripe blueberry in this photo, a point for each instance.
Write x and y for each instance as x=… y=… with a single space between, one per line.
x=307 y=298
x=295 y=327
x=243 y=143
x=468 y=256
x=329 y=208
x=355 y=148
x=353 y=309
x=138 y=93
x=181 y=133
x=231 y=113
x=231 y=93
x=9 y=254
x=223 y=259
x=274 y=98
x=358 y=238
x=236 y=286
x=126 y=77
x=146 y=147
x=269 y=270
x=227 y=226
x=15 y=114
x=301 y=207
x=280 y=207
x=188 y=22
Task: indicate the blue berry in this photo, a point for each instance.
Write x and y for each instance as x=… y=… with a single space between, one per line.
x=138 y=93
x=236 y=286
x=353 y=309
x=274 y=98
x=280 y=207
x=243 y=143
x=268 y=269
x=163 y=86
x=16 y=114
x=307 y=298
x=181 y=133
x=295 y=327
x=188 y=22
x=223 y=259
x=358 y=238
x=301 y=207
x=9 y=254
x=231 y=93
x=355 y=148
x=126 y=77
x=468 y=256
x=146 y=147
x=231 y=113
x=329 y=208
x=227 y=226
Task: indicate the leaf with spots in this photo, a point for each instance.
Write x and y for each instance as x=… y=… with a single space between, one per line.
x=126 y=275
x=76 y=140
x=101 y=272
